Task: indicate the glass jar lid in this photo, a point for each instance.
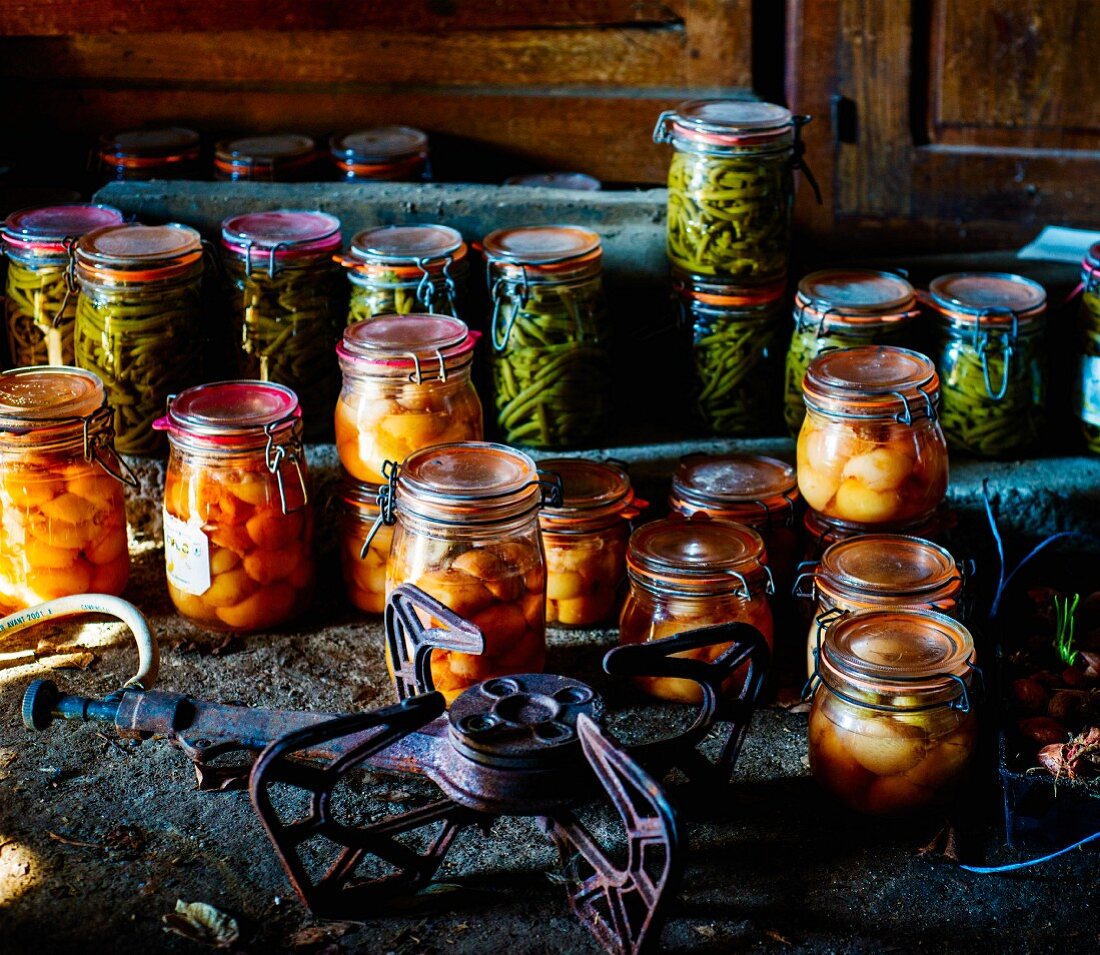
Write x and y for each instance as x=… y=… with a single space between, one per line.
x=406 y=250
x=749 y=487
x=853 y=298
x=880 y=567
x=709 y=293
x=51 y=229
x=137 y=253
x=1090 y=265
x=592 y=493
x=33 y=398
x=278 y=149
x=873 y=381
x=726 y=123
x=556 y=180
x=675 y=555
x=379 y=144
x=281 y=235
x=156 y=146
x=997 y=298
x=420 y=347
x=556 y=250
x=231 y=413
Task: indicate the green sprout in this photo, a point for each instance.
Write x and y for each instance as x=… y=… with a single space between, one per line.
x=1064 y=611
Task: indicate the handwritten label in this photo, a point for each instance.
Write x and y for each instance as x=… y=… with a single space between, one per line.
x=1088 y=390
x=186 y=556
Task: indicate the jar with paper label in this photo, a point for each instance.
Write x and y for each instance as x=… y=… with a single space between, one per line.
x=381 y=154
x=585 y=540
x=467 y=533
x=893 y=728
x=1087 y=381
x=280 y=157
x=871 y=450
x=550 y=335
x=843 y=308
x=398 y=269
x=171 y=152
x=62 y=501
x=40 y=295
x=238 y=522
x=991 y=356
x=689 y=574
x=286 y=303
x=406 y=386
x=878 y=572
x=139 y=321
x=363 y=556
x=749 y=489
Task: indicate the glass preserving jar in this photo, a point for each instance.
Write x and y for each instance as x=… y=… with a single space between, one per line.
x=843 y=308
x=822 y=532
x=550 y=334
x=749 y=489
x=736 y=352
x=281 y=157
x=363 y=565
x=892 y=724
x=381 y=154
x=62 y=502
x=871 y=450
x=398 y=269
x=238 y=523
x=878 y=572
x=285 y=299
x=139 y=321
x=140 y=154
x=689 y=574
x=467 y=533
x=991 y=356
x=585 y=540
x=406 y=386
x=730 y=188
x=40 y=294
x=1087 y=382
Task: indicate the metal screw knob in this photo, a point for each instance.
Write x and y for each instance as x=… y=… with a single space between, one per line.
x=38 y=704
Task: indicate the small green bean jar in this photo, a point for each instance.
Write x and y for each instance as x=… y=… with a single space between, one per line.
x=399 y=269
x=730 y=188
x=843 y=308
x=736 y=352
x=40 y=296
x=139 y=321
x=1087 y=383
x=991 y=356
x=287 y=305
x=549 y=331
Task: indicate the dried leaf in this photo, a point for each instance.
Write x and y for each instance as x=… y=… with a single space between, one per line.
x=776 y=937
x=202 y=923
x=221 y=778
x=942 y=846
x=66 y=841
x=311 y=935
x=127 y=841
x=707 y=931
x=72 y=661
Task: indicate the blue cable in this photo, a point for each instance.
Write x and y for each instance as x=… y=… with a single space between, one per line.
x=997 y=869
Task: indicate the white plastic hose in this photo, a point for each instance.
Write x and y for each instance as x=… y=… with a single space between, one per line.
x=148 y=652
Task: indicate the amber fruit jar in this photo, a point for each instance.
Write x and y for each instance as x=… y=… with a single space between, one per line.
x=892 y=725
x=363 y=568
x=282 y=157
x=381 y=154
x=170 y=152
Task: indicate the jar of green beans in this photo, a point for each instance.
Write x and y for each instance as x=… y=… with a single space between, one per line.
x=550 y=335
x=40 y=295
x=736 y=352
x=400 y=269
x=843 y=308
x=730 y=188
x=1087 y=381
x=139 y=321
x=991 y=354
x=286 y=298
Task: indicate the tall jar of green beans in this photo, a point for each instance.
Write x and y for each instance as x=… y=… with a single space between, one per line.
x=843 y=308
x=736 y=352
x=1087 y=382
x=399 y=269
x=991 y=355
x=287 y=304
x=549 y=333
x=139 y=321
x=40 y=294
x=729 y=188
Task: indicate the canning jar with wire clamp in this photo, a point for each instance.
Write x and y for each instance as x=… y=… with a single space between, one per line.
x=730 y=187
x=871 y=450
x=406 y=386
x=893 y=727
x=40 y=293
x=62 y=489
x=843 y=308
x=280 y=157
x=139 y=321
x=878 y=572
x=1086 y=390
x=238 y=520
x=399 y=269
x=467 y=533
x=285 y=296
x=363 y=555
x=549 y=333
x=991 y=355
x=381 y=154
x=686 y=574
x=170 y=152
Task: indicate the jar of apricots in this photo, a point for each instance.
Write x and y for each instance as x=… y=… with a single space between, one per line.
x=892 y=725
x=467 y=533
x=689 y=574
x=585 y=540
x=871 y=451
x=62 y=507
x=406 y=386
x=238 y=524
x=363 y=556
x=878 y=572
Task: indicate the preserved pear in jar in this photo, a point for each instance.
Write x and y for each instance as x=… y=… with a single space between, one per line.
x=282 y=157
x=381 y=154
x=892 y=727
x=140 y=154
x=364 y=547
x=1087 y=383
